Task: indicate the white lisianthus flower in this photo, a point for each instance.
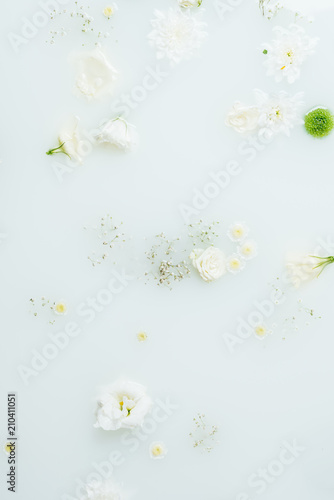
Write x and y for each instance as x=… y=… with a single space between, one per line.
x=285 y=55
x=70 y=141
x=303 y=268
x=278 y=113
x=187 y=4
x=118 y=132
x=235 y=264
x=248 y=250
x=210 y=263
x=101 y=491
x=158 y=450
x=238 y=231
x=122 y=405
x=242 y=118
x=176 y=34
x=95 y=74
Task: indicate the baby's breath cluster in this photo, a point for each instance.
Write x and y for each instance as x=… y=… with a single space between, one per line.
x=108 y=235
x=203 y=435
x=269 y=8
x=166 y=270
x=57 y=307
x=200 y=232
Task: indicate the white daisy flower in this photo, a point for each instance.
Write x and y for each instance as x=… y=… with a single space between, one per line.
x=176 y=34
x=285 y=55
x=237 y=232
x=158 y=450
x=235 y=264
x=278 y=113
x=248 y=250
x=261 y=331
x=110 y=10
x=60 y=307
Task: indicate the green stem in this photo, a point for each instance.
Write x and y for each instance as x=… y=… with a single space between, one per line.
x=59 y=149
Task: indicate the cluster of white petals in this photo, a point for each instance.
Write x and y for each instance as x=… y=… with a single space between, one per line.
x=176 y=34
x=118 y=132
x=122 y=405
x=285 y=55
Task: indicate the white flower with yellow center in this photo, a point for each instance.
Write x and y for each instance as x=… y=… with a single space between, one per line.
x=142 y=336
x=285 y=55
x=210 y=263
x=176 y=34
x=237 y=232
x=158 y=450
x=279 y=113
x=235 y=264
x=110 y=10
x=248 y=250
x=261 y=331
x=122 y=405
x=60 y=307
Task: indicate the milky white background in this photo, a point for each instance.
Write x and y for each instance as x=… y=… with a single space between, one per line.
x=261 y=395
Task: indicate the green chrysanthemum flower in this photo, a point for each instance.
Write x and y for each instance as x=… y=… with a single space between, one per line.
x=319 y=122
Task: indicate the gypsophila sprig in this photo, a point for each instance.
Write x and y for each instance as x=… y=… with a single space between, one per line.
x=269 y=8
x=203 y=435
x=108 y=235
x=200 y=232
x=57 y=307
x=165 y=270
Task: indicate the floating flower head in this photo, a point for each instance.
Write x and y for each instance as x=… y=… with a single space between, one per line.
x=237 y=232
x=278 y=112
x=70 y=142
x=210 y=263
x=176 y=34
x=109 y=11
x=261 y=331
x=95 y=74
x=306 y=267
x=188 y=4
x=319 y=122
x=101 y=491
x=285 y=55
x=158 y=450
x=235 y=264
x=248 y=250
x=242 y=118
x=118 y=132
x=122 y=405
x=60 y=307
x=142 y=336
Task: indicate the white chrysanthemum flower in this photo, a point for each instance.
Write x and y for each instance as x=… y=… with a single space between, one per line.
x=210 y=263
x=235 y=264
x=285 y=55
x=248 y=250
x=188 y=4
x=278 y=113
x=122 y=405
x=95 y=74
x=242 y=118
x=101 y=491
x=261 y=331
x=303 y=268
x=60 y=307
x=158 y=450
x=118 y=132
x=237 y=232
x=142 y=336
x=176 y=34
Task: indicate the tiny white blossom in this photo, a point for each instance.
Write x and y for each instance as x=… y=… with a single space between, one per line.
x=158 y=450
x=261 y=331
x=176 y=34
x=285 y=55
x=238 y=231
x=248 y=250
x=235 y=264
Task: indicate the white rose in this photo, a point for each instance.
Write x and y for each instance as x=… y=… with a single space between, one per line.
x=187 y=4
x=210 y=263
x=242 y=118
x=122 y=405
x=118 y=132
x=73 y=143
x=95 y=74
